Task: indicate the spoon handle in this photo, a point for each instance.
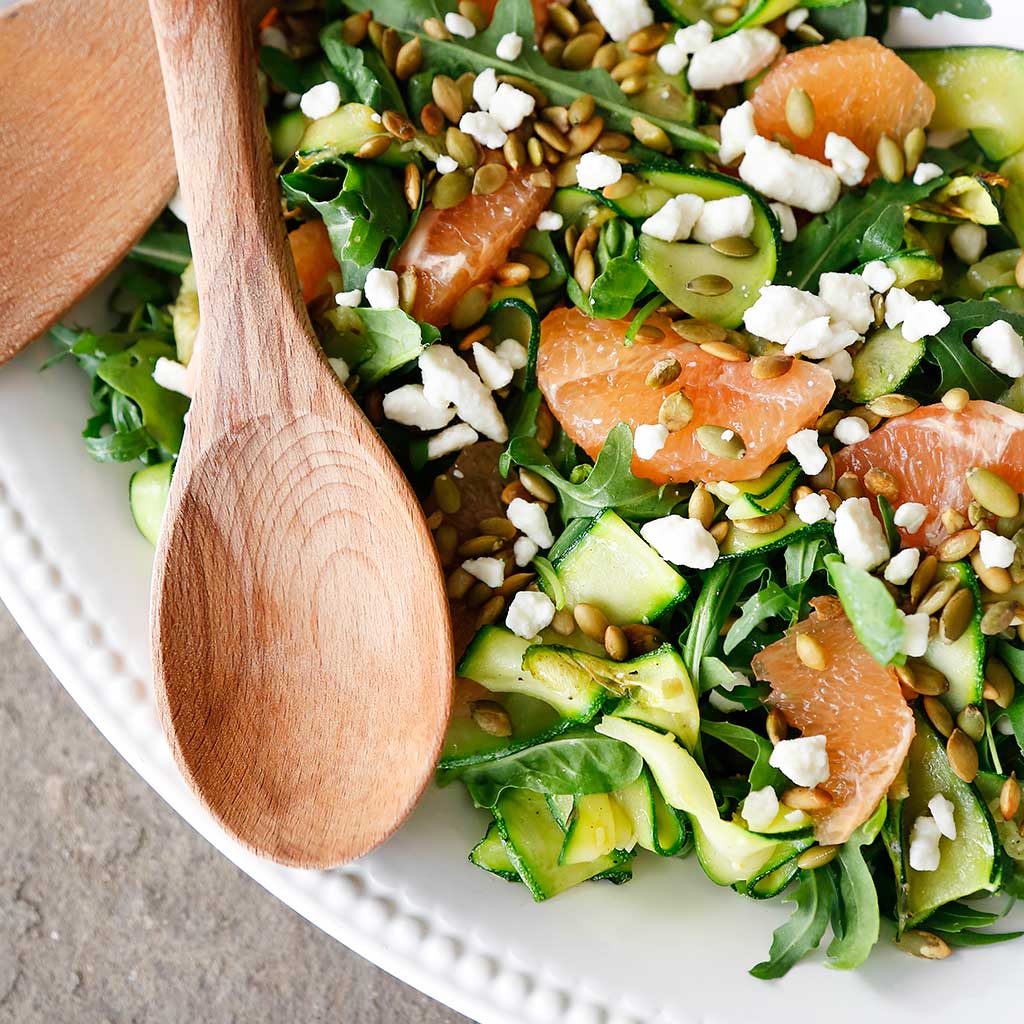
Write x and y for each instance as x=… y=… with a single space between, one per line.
x=253 y=318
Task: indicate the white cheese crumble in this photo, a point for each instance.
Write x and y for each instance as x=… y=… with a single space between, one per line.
x=781 y=310
x=996 y=552
x=529 y=518
x=814 y=508
x=898 y=303
x=671 y=59
x=451 y=439
x=733 y=59
x=349 y=300
x=915 y=634
x=448 y=379
x=1001 y=347
x=737 y=130
x=910 y=516
x=459 y=25
x=511 y=106
x=409 y=406
x=485 y=85
x=523 y=550
x=850 y=430
x=760 y=808
x=848 y=297
x=320 y=101
x=725 y=218
x=924 y=844
x=675 y=221
x=512 y=352
x=820 y=338
x=694 y=37
x=902 y=566
x=549 y=221
x=621 y=18
x=509 y=47
x=491 y=368
x=787 y=222
x=487 y=570
x=172 y=376
x=943 y=810
x=803 y=760
x=446 y=164
x=381 y=289
x=850 y=163
x=480 y=125
x=880 y=278
x=681 y=541
x=596 y=170
x=840 y=365
x=924 y=173
x=924 y=319
x=859 y=535
x=340 y=368
x=796 y=18
x=804 y=447
x=789 y=177
x=176 y=205
x=529 y=613
x=968 y=241
x=648 y=440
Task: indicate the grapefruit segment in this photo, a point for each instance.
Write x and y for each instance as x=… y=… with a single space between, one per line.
x=592 y=381
x=854 y=702
x=930 y=450
x=860 y=88
x=452 y=250
x=313 y=256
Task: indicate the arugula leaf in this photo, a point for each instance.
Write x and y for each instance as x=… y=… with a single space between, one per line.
x=958 y=365
x=289 y=74
x=561 y=86
x=362 y=75
x=610 y=484
x=572 y=765
x=960 y=8
x=972 y=938
x=870 y=608
x=755 y=748
x=164 y=249
x=883 y=237
x=375 y=342
x=803 y=931
x=832 y=241
x=857 y=897
x=845 y=22
x=769 y=602
x=801 y=559
x=361 y=204
x=955 y=917
x=620 y=280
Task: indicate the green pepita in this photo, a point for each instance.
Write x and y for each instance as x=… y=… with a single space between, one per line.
x=449 y=190
x=800 y=114
x=722 y=442
x=676 y=411
x=663 y=372
x=891 y=161
x=736 y=246
x=709 y=284
x=993 y=492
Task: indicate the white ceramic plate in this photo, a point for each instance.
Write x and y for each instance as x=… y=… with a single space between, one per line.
x=668 y=947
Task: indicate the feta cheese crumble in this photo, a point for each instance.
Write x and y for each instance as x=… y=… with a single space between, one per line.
x=859 y=535
x=459 y=25
x=848 y=297
x=340 y=368
x=648 y=440
x=529 y=613
x=523 y=550
x=511 y=106
x=381 y=289
x=448 y=379
x=879 y=277
x=820 y=339
x=487 y=570
x=172 y=376
x=491 y=368
x=681 y=541
x=513 y=352
x=898 y=303
x=725 y=218
x=996 y=552
x=480 y=125
x=1001 y=347
x=781 y=310
x=529 y=518
x=733 y=59
x=760 y=808
x=924 y=319
x=485 y=85
x=596 y=170
x=943 y=810
x=803 y=760
x=915 y=634
x=796 y=18
x=902 y=566
x=850 y=430
x=509 y=47
x=803 y=445
x=924 y=844
x=409 y=406
x=621 y=18
x=549 y=221
x=850 y=163
x=737 y=130
x=788 y=177
x=451 y=439
x=840 y=365
x=787 y=222
x=968 y=241
x=671 y=59
x=814 y=508
x=924 y=173
x=348 y=300
x=910 y=516
x=320 y=101
x=694 y=37
x=675 y=221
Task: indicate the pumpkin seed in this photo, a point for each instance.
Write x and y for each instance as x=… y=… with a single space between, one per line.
x=888 y=406
x=499 y=526
x=485 y=544
x=432 y=119
x=409 y=59
x=725 y=351
x=606 y=57
x=810 y=652
x=375 y=30
x=958 y=546
x=953 y=521
x=412 y=185
x=816 y=856
x=390 y=44
x=643 y=638
x=490 y=611
x=536 y=485
x=563 y=623
x=777 y=727
x=591 y=620
x=647 y=39
x=956 y=616
x=613 y=142
x=663 y=372
x=511 y=275
x=374 y=147
x=699 y=331
x=768 y=367
x=938 y=714
x=963 y=755
x=972 y=722
x=676 y=411
x=999 y=684
x=630 y=67
x=914 y=143
x=354 y=27
x=633 y=85
x=993 y=492
x=448 y=96
x=447 y=540
x=997 y=617
x=650 y=332
x=435 y=28
x=552 y=46
x=650 y=135
x=514 y=583
x=883 y=483
x=849 y=486
x=545 y=431
x=997 y=580
x=890 y=159
x=1018 y=271
x=580 y=50
x=459 y=584
x=709 y=284
x=435 y=519
x=584 y=271
x=583 y=136
x=923 y=679
x=513 y=490
x=461 y=148
x=956 y=399
x=935 y=599
x=625 y=186
x=539 y=267
x=447 y=495
x=720 y=531
x=701 y=506
x=514 y=152
x=923 y=944
x=826 y=479
x=616 y=644
x=1009 y=798
x=806 y=798
x=552 y=136
x=472 y=10
x=470 y=309
x=449 y=190
x=735 y=246
x=489 y=178
x=581 y=109
x=491 y=717
x=563 y=20
x=721 y=442
x=478 y=595
x=800 y=113
x=761 y=524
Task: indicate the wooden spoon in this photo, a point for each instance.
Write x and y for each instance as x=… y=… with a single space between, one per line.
x=301 y=642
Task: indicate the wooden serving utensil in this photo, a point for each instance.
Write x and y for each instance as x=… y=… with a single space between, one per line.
x=301 y=641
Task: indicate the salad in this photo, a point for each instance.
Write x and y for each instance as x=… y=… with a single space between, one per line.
x=698 y=329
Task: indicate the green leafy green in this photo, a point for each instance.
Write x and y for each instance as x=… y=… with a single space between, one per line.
x=802 y=559
x=955 y=917
x=832 y=241
x=967 y=937
x=361 y=204
x=886 y=514
x=769 y=602
x=290 y=74
x=961 y=8
x=803 y=932
x=162 y=248
x=620 y=281
x=610 y=484
x=457 y=55
x=857 y=898
x=751 y=745
x=870 y=608
x=845 y=22
x=375 y=342
x=884 y=236
x=572 y=765
x=362 y=75
x=958 y=365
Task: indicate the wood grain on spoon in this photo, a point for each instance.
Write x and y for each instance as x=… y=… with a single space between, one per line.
x=301 y=642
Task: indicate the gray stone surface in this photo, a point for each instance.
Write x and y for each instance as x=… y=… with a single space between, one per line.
x=112 y=910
